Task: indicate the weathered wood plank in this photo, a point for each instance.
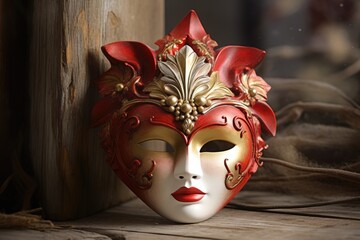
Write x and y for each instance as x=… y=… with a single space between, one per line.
x=134 y=219
x=50 y=234
x=66 y=59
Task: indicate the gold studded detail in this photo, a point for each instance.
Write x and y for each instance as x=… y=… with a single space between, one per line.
x=119 y=87
x=252 y=92
x=171 y=100
x=186 y=87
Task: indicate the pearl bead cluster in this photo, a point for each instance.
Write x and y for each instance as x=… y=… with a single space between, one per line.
x=185 y=109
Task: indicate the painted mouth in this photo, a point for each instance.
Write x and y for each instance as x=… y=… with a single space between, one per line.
x=185 y=194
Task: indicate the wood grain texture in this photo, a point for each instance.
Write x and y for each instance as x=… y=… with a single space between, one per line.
x=51 y=234
x=66 y=59
x=134 y=220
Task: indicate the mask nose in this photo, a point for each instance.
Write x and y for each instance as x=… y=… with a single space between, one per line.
x=188 y=166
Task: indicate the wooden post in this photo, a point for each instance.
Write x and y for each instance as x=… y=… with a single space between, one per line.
x=68 y=161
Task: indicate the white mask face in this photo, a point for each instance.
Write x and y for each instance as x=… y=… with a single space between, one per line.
x=193 y=178
x=182 y=124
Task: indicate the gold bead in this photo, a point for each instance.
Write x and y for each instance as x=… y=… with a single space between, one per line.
x=208 y=103
x=201 y=109
x=252 y=92
x=171 y=100
x=171 y=108
x=186 y=108
x=200 y=101
x=119 y=87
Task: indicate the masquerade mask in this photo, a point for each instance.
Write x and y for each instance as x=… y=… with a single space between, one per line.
x=182 y=124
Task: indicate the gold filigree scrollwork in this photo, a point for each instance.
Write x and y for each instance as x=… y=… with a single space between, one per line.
x=206 y=46
x=233 y=178
x=251 y=87
x=168 y=45
x=186 y=89
x=238 y=126
x=131 y=123
x=143 y=180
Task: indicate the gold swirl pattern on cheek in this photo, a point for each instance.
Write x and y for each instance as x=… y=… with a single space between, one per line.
x=233 y=178
x=143 y=180
x=238 y=126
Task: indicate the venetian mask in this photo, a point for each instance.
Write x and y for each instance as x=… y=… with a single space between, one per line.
x=182 y=124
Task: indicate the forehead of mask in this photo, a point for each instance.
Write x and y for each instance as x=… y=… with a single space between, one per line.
x=216 y=131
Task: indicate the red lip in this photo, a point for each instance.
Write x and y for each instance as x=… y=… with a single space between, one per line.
x=184 y=194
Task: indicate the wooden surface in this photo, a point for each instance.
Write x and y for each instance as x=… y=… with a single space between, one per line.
x=65 y=60
x=134 y=220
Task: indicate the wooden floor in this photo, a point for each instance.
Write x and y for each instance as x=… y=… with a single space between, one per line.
x=134 y=220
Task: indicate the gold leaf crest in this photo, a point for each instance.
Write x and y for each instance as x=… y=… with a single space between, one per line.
x=185 y=87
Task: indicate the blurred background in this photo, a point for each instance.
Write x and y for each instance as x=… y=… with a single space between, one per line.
x=310 y=39
x=313 y=66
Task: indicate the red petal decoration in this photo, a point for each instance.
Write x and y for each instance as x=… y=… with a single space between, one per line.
x=138 y=55
x=190 y=26
x=231 y=61
x=264 y=112
x=115 y=75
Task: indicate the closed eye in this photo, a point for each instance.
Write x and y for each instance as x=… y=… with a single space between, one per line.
x=217 y=146
x=157 y=145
